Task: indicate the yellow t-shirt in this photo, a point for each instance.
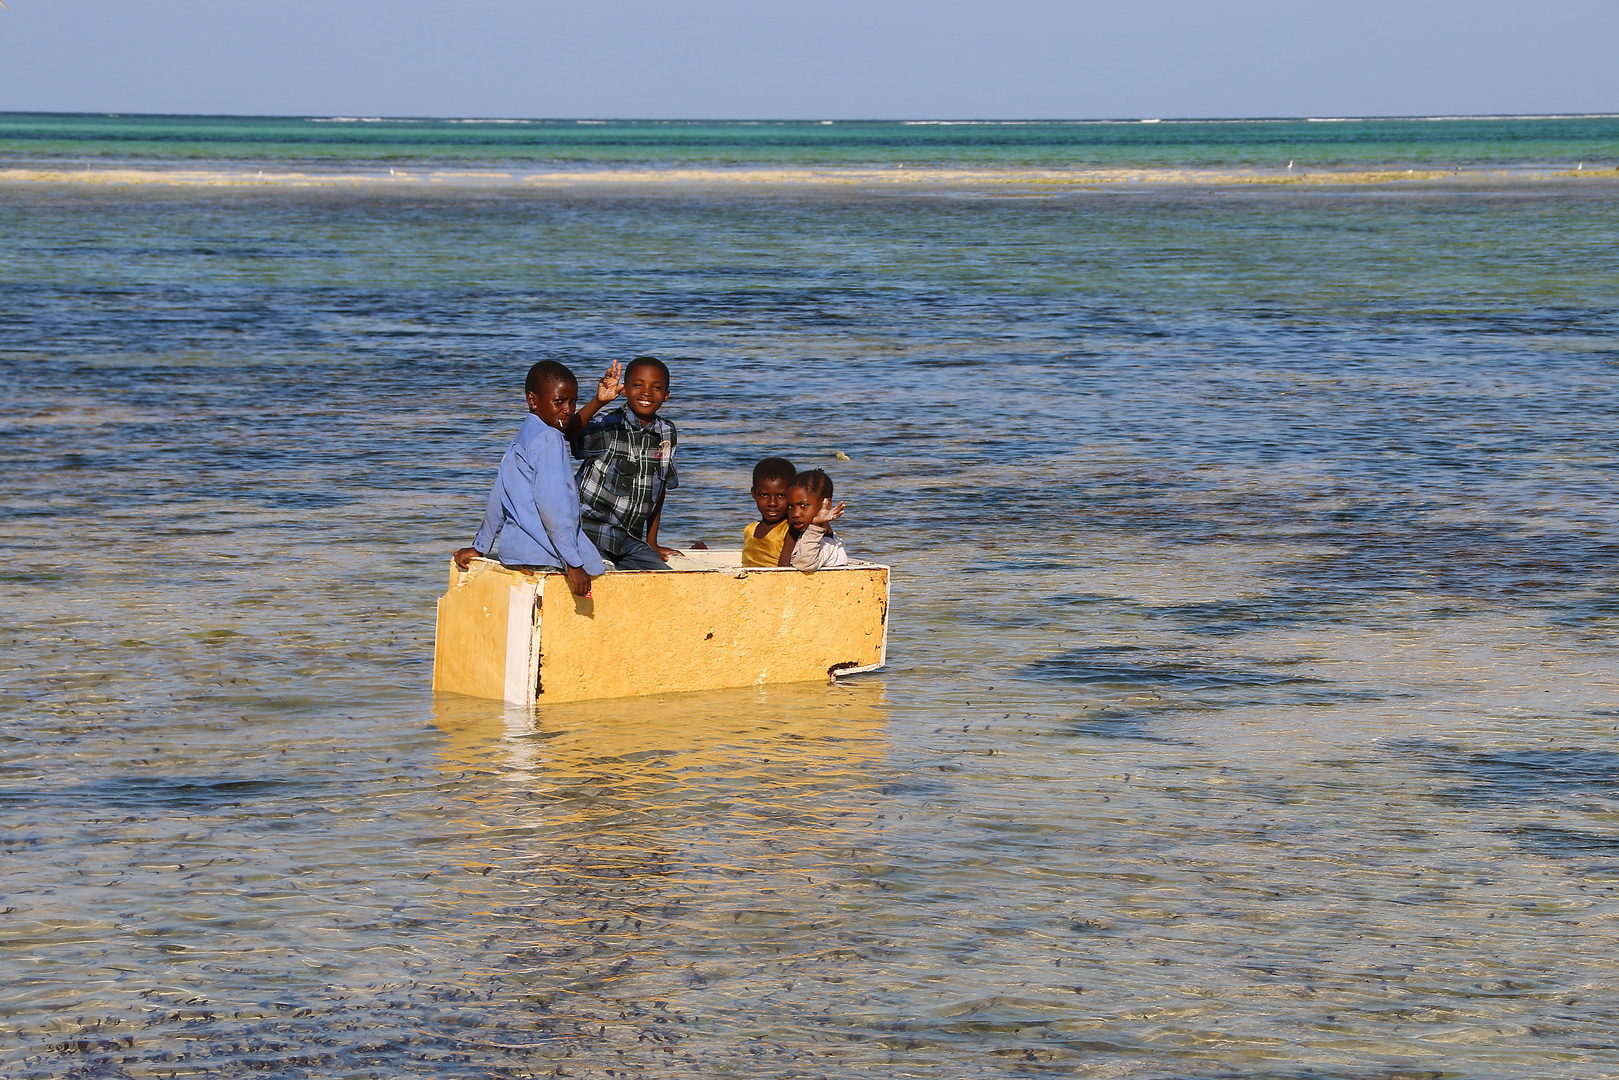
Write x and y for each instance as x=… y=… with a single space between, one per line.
x=766 y=552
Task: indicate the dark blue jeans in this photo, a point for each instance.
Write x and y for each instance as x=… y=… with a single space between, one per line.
x=639 y=555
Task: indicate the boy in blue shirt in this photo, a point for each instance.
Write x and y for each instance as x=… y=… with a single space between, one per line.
x=629 y=464
x=534 y=504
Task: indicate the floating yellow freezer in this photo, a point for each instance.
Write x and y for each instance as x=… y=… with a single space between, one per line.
x=704 y=624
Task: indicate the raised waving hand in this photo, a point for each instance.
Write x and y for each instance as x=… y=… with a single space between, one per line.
x=611 y=384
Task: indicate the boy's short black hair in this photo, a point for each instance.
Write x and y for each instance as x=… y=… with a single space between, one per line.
x=816 y=482
x=544 y=372
x=774 y=468
x=647 y=361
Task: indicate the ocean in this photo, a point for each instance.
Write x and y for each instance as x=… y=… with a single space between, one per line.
x=1252 y=692
x=350 y=141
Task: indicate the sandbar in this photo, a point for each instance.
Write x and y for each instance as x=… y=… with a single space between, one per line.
x=1007 y=181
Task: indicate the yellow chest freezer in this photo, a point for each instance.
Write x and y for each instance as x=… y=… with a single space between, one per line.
x=705 y=623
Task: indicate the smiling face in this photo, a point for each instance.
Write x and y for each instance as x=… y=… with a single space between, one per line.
x=771 y=498
x=645 y=390
x=555 y=402
x=801 y=507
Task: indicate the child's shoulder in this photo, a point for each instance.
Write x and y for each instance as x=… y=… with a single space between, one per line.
x=532 y=427
x=598 y=434
x=534 y=431
x=608 y=418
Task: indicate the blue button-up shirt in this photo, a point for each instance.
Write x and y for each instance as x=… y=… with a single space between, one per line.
x=534 y=505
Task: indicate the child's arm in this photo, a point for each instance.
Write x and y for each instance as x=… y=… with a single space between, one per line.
x=608 y=387
x=558 y=504
x=652 y=530
x=492 y=518
x=807 y=553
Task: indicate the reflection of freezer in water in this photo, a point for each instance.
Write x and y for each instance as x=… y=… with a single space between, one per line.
x=705 y=624
x=827 y=730
x=652 y=784
x=609 y=855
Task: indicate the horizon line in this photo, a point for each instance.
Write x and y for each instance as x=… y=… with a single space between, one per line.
x=817 y=121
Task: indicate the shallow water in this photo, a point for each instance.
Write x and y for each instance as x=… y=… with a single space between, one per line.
x=1252 y=696
x=350 y=142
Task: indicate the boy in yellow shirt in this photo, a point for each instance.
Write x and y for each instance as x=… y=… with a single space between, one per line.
x=762 y=541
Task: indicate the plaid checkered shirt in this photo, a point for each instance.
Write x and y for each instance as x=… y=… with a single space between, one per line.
x=626 y=470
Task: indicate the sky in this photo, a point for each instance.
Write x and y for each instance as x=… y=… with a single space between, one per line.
x=832 y=59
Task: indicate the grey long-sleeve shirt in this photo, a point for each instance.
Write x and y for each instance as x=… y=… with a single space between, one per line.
x=818 y=549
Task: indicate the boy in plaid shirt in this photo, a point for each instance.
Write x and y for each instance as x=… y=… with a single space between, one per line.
x=629 y=464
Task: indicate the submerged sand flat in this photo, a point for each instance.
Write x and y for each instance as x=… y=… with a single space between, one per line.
x=935 y=178
x=1250 y=706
